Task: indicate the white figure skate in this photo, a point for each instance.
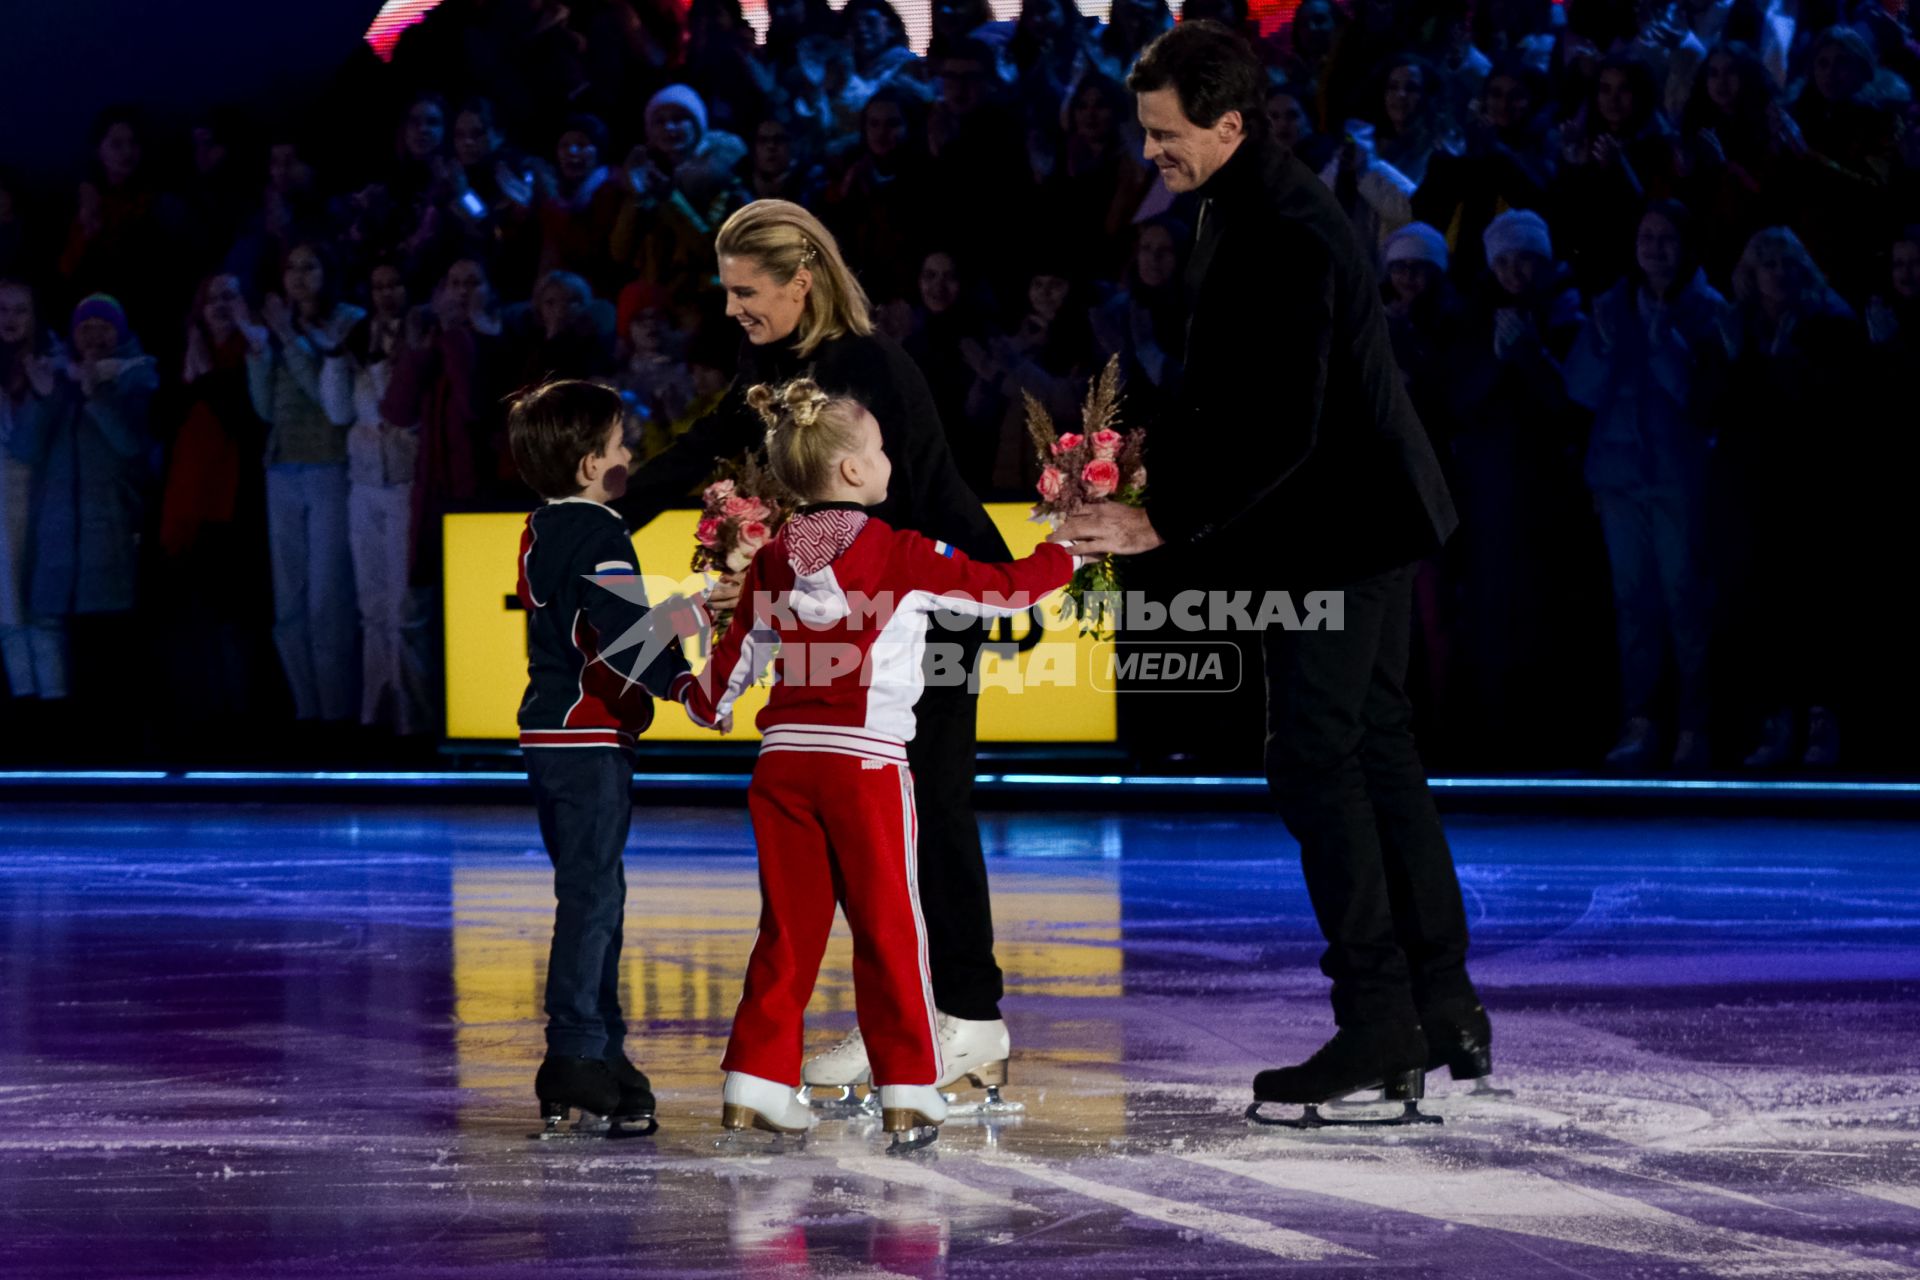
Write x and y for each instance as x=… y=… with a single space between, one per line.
x=976 y=1053
x=841 y=1068
x=912 y=1113
x=749 y=1102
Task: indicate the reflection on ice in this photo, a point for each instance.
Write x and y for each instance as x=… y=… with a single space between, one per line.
x=247 y=1041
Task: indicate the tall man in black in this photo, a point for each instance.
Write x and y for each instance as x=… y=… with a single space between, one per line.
x=1294 y=461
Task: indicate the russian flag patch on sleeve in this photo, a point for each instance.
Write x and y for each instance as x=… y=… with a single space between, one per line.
x=612 y=566
x=944 y=549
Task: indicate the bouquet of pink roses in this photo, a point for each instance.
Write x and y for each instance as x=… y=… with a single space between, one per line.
x=1095 y=464
x=739 y=513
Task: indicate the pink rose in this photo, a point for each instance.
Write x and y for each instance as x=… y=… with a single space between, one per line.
x=716 y=493
x=1101 y=476
x=707 y=532
x=1106 y=444
x=1050 y=482
x=754 y=534
x=1138 y=479
x=1066 y=443
x=743 y=509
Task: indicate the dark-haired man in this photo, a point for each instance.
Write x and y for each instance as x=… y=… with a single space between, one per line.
x=1293 y=461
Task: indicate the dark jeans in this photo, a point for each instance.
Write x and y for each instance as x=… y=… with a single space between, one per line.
x=1660 y=600
x=953 y=868
x=585 y=799
x=1348 y=782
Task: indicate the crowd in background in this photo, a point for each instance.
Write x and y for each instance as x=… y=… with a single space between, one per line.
x=1652 y=272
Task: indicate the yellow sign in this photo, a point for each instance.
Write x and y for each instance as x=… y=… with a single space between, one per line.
x=1032 y=688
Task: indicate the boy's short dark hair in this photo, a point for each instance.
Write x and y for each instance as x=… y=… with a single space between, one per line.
x=552 y=427
x=1211 y=69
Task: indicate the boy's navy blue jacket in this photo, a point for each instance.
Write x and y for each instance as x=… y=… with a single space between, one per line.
x=597 y=656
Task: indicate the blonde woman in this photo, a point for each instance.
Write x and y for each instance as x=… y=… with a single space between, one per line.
x=802 y=314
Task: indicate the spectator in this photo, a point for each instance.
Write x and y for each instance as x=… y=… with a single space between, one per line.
x=1527 y=563
x=30 y=655
x=679 y=187
x=772 y=170
x=1516 y=31
x=721 y=66
x=1052 y=47
x=1506 y=162
x=1099 y=181
x=313 y=604
x=83 y=430
x=402 y=215
x=215 y=572
x=292 y=211
x=1318 y=26
x=882 y=205
x=448 y=384
x=625 y=50
x=1290 y=122
x=712 y=360
x=1732 y=160
x=1380 y=29
x=565 y=332
x=881 y=53
x=1130 y=25
x=217 y=195
x=1893 y=316
x=977 y=142
x=948 y=315
x=1617 y=156
x=576 y=204
x=127 y=233
x=489 y=198
x=1842 y=187
x=653 y=377
x=1424 y=316
x=382 y=468
x=1796 y=361
x=1048 y=353
x=1645 y=365
x=1144 y=323
x=1385 y=156
x=957 y=20
x=1410 y=117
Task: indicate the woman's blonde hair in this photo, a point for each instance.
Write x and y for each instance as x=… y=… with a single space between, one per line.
x=1809 y=282
x=782 y=237
x=808 y=432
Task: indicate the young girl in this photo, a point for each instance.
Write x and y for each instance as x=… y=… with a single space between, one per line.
x=846 y=599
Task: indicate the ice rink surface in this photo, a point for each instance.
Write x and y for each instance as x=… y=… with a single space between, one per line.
x=300 y=1042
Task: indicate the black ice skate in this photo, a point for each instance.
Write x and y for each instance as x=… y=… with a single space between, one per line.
x=1387 y=1058
x=1460 y=1038
x=589 y=1086
x=636 y=1093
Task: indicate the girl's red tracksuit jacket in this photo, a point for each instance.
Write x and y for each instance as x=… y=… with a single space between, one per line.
x=840 y=603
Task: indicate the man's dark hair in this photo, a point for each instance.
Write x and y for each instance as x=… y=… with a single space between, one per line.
x=1211 y=69
x=552 y=427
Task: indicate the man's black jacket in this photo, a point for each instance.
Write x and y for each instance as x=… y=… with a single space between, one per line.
x=1293 y=456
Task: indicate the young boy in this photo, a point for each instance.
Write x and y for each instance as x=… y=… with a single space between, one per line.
x=596 y=656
